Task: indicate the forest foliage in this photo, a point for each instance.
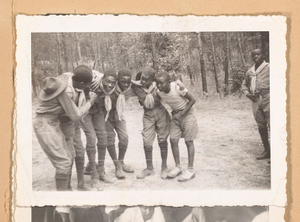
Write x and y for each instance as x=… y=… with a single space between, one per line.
x=212 y=63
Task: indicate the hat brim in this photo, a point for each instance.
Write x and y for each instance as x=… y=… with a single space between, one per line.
x=45 y=97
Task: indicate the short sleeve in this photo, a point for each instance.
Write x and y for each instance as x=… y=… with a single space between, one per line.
x=181 y=91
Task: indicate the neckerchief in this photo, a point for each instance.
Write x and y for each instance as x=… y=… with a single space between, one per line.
x=121 y=101
x=149 y=100
x=107 y=99
x=256 y=72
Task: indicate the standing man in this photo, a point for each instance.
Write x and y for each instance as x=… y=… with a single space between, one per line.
x=256 y=86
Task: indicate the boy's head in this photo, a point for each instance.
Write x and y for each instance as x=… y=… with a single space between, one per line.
x=147 y=212
x=124 y=79
x=109 y=80
x=82 y=77
x=163 y=80
x=257 y=56
x=147 y=77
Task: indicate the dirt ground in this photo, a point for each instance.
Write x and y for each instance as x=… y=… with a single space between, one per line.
x=227 y=144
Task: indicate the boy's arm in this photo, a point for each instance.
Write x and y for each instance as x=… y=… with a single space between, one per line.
x=189 y=105
x=96 y=81
x=245 y=88
x=74 y=112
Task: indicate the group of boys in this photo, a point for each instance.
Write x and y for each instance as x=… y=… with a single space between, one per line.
x=95 y=103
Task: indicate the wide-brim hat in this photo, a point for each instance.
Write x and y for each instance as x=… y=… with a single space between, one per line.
x=53 y=86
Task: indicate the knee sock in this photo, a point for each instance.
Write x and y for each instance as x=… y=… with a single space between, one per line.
x=101 y=159
x=62 y=182
x=148 y=155
x=264 y=137
x=79 y=162
x=122 y=152
x=164 y=153
x=92 y=161
x=70 y=177
x=112 y=152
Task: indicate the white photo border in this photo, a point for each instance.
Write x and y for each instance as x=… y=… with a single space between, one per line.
x=276 y=25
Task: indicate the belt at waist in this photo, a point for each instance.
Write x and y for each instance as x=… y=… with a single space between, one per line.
x=177 y=111
x=154 y=107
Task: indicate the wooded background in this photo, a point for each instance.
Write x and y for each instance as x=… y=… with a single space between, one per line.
x=211 y=63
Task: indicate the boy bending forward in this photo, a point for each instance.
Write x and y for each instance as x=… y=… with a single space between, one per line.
x=183 y=124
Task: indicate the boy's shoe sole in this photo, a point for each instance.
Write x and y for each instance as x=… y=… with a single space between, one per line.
x=127 y=168
x=145 y=173
x=83 y=189
x=120 y=173
x=175 y=172
x=164 y=174
x=97 y=184
x=186 y=176
x=105 y=178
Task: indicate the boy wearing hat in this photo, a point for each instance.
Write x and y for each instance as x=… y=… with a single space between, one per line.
x=156 y=121
x=183 y=124
x=55 y=103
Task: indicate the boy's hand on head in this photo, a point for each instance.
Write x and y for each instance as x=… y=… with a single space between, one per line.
x=93 y=97
x=96 y=82
x=251 y=97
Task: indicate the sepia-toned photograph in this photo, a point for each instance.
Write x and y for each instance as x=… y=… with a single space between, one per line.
x=154 y=110
x=150 y=214
x=168 y=110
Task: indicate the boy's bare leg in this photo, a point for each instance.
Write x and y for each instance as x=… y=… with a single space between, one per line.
x=191 y=153
x=189 y=173
x=164 y=154
x=175 y=150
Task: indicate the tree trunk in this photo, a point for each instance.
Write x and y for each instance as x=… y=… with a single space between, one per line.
x=153 y=51
x=214 y=63
x=100 y=60
x=203 y=73
x=78 y=48
x=107 y=54
x=226 y=63
x=265 y=45
x=66 y=59
x=114 y=51
x=188 y=67
x=58 y=54
x=241 y=49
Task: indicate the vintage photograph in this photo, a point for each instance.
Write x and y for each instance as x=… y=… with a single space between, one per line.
x=152 y=110
x=150 y=214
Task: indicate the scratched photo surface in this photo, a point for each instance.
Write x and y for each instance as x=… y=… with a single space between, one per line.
x=150 y=110
x=215 y=67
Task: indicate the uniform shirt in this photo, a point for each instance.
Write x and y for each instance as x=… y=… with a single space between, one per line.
x=63 y=104
x=175 y=98
x=262 y=80
x=141 y=94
